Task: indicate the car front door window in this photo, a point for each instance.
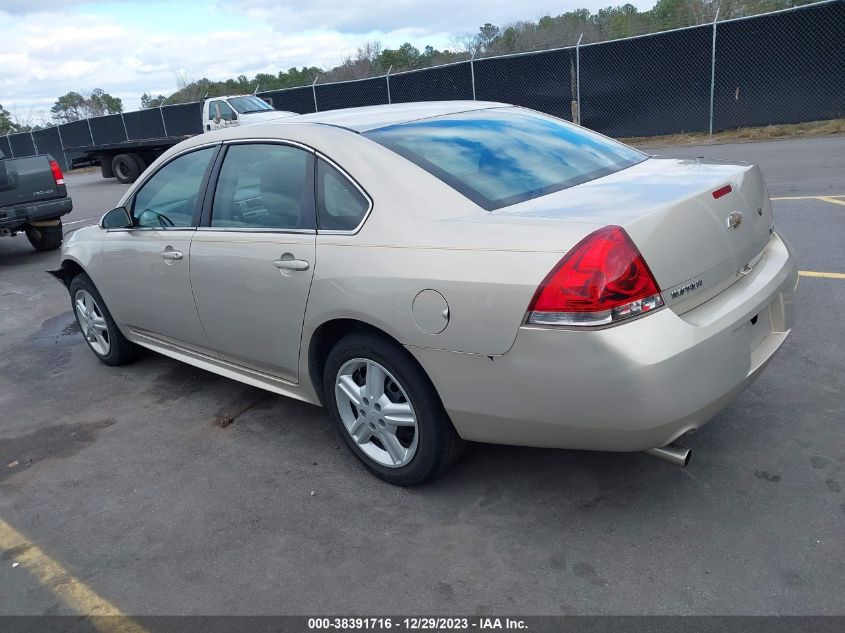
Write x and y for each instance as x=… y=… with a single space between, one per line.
x=169 y=198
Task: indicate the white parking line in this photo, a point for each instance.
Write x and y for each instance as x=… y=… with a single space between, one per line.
x=79 y=221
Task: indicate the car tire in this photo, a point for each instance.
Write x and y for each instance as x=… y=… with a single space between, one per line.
x=97 y=325
x=44 y=238
x=398 y=428
x=126 y=168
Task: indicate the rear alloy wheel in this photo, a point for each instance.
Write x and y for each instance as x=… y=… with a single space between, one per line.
x=376 y=412
x=96 y=324
x=387 y=410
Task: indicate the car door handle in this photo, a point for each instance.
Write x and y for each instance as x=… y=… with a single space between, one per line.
x=171 y=255
x=291 y=264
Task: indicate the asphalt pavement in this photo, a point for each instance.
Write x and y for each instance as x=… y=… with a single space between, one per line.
x=125 y=478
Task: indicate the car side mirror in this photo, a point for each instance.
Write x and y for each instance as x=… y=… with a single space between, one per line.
x=234 y=116
x=118 y=218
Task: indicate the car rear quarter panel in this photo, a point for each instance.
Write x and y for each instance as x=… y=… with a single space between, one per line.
x=630 y=387
x=421 y=235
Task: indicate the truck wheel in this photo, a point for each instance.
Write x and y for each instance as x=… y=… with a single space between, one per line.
x=126 y=168
x=44 y=238
x=105 y=167
x=97 y=325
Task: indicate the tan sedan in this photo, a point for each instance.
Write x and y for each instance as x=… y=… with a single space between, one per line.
x=441 y=272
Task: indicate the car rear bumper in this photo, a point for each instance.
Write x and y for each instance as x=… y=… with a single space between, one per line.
x=16 y=216
x=630 y=387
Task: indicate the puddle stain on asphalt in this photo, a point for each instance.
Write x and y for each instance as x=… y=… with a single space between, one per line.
x=764 y=475
x=59 y=330
x=179 y=380
x=56 y=442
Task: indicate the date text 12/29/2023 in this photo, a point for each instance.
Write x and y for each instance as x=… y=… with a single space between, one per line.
x=425 y=623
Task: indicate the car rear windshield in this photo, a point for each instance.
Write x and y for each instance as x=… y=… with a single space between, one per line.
x=502 y=156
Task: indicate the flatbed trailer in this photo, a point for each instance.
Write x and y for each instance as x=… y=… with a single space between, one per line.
x=124 y=161
x=123 y=145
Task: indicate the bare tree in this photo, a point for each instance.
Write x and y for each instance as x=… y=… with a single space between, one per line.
x=467 y=43
x=24 y=119
x=188 y=86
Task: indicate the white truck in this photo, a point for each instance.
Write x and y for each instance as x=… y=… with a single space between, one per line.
x=126 y=160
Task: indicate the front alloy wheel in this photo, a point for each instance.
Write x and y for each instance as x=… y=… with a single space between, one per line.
x=92 y=322
x=376 y=412
x=96 y=323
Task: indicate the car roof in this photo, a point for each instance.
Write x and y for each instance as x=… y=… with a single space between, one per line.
x=373 y=117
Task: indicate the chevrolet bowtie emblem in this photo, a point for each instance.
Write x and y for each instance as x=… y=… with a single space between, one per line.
x=734 y=219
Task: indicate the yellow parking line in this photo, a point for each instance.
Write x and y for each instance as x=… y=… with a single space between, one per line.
x=825 y=198
x=832 y=199
x=813 y=273
x=70 y=590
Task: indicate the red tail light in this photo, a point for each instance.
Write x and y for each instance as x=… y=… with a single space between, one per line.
x=722 y=191
x=603 y=279
x=58 y=176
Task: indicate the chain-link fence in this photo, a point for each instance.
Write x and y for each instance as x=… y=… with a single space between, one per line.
x=781 y=67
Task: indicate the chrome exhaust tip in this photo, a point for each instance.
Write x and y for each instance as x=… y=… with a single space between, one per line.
x=672 y=453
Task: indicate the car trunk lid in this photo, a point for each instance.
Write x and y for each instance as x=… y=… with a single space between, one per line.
x=696 y=243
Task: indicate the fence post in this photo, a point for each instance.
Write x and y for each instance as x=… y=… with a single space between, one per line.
x=578 y=79
x=125 y=131
x=62 y=143
x=314 y=90
x=161 y=112
x=90 y=131
x=472 y=73
x=387 y=78
x=713 y=74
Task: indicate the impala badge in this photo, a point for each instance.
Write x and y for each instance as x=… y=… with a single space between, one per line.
x=680 y=292
x=734 y=220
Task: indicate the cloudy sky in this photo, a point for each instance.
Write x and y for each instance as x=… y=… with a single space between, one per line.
x=128 y=47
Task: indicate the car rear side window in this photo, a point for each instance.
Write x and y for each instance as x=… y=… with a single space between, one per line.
x=168 y=199
x=340 y=205
x=502 y=156
x=264 y=186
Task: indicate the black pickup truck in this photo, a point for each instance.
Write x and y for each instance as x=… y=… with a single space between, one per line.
x=33 y=199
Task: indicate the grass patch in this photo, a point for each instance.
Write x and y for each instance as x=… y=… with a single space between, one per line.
x=744 y=134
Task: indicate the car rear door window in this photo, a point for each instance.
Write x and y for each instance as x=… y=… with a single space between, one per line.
x=340 y=204
x=169 y=198
x=264 y=186
x=502 y=156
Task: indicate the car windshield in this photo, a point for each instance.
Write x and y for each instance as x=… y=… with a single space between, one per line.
x=248 y=104
x=502 y=156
